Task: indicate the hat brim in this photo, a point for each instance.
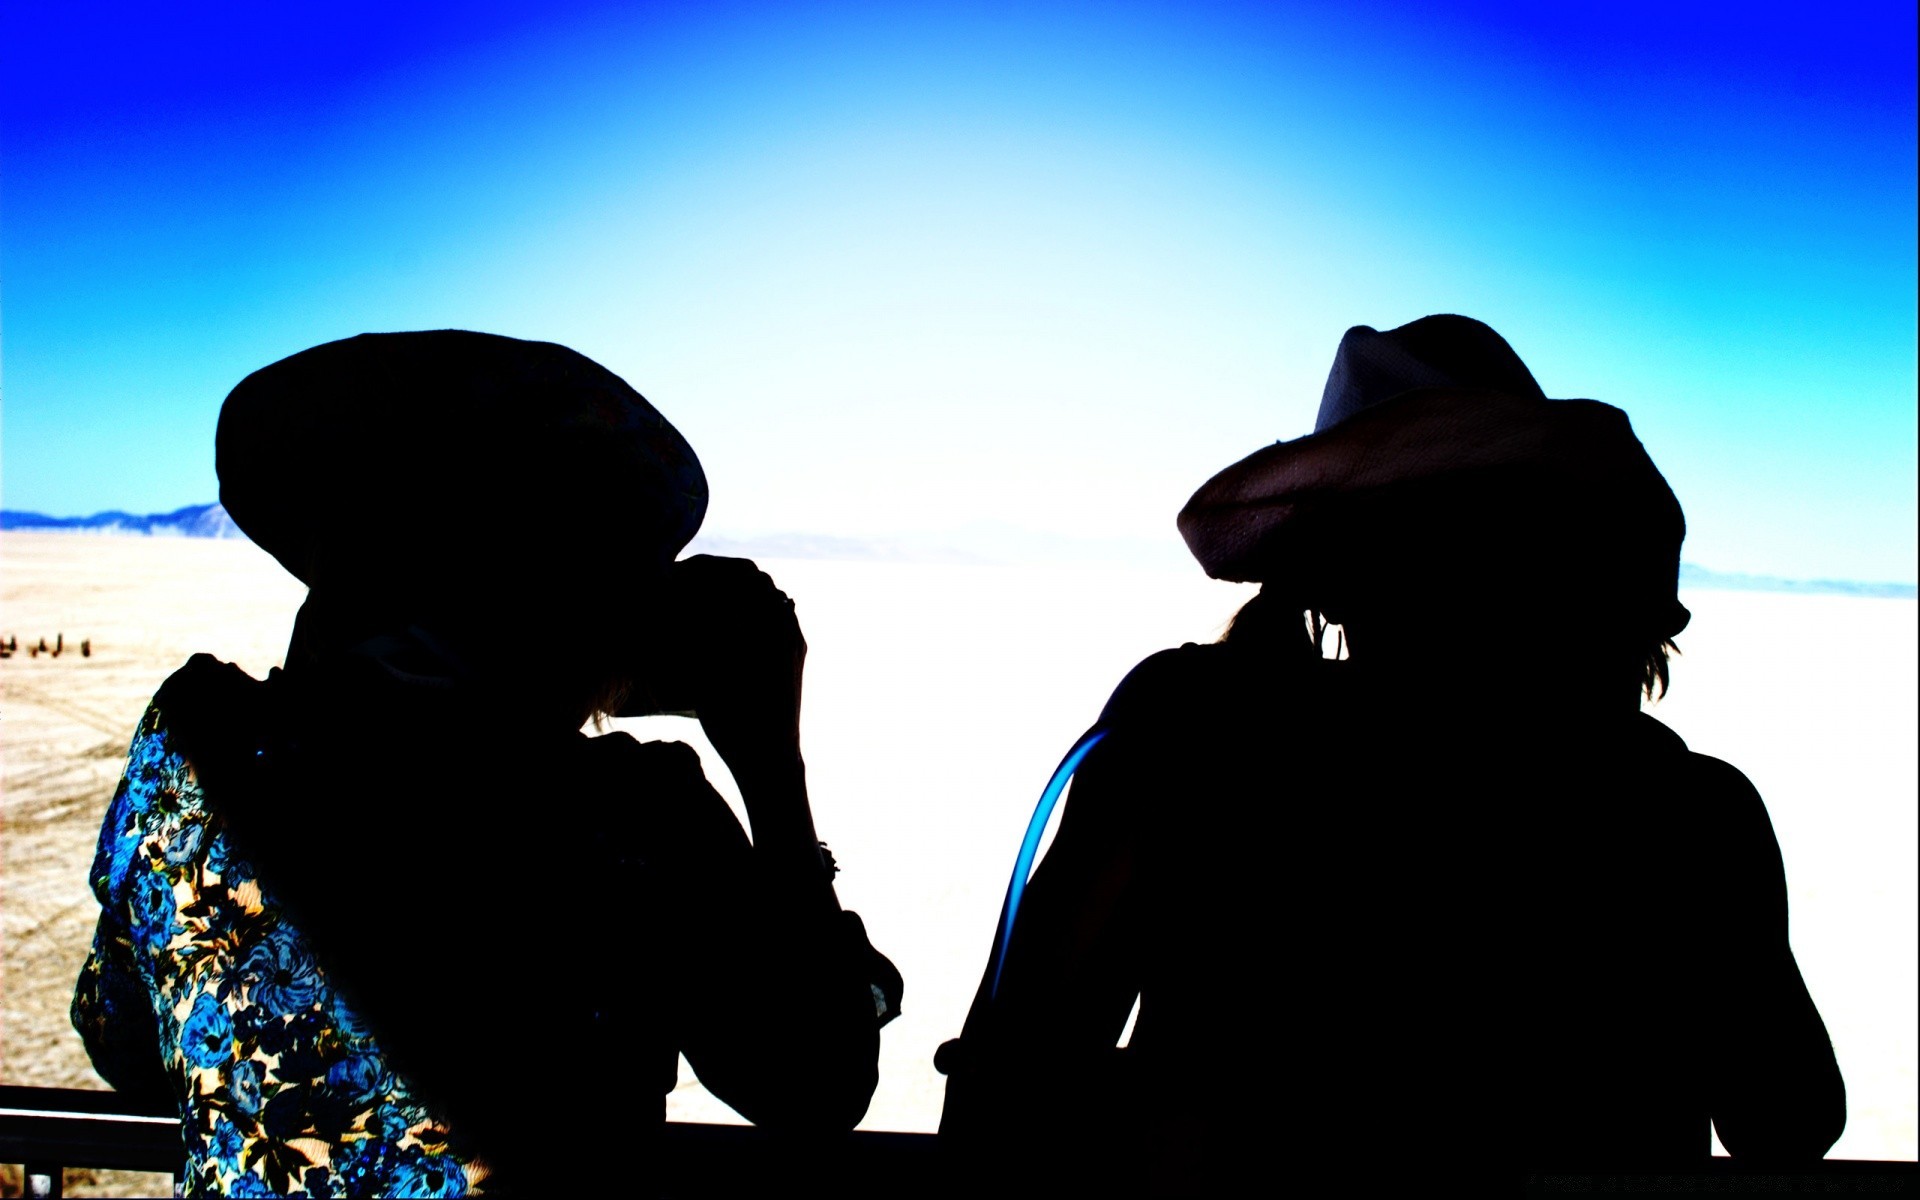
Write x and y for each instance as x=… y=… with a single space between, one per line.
x=1238 y=523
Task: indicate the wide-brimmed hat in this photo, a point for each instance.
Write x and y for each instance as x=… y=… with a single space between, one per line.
x=1442 y=398
x=406 y=452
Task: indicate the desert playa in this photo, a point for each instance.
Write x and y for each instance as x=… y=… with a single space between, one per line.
x=939 y=698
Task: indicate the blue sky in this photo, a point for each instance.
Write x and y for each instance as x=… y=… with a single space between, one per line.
x=907 y=269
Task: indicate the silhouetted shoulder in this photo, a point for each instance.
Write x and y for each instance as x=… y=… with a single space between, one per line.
x=1726 y=786
x=1715 y=795
x=1164 y=681
x=209 y=702
x=675 y=758
x=1719 y=791
x=1203 y=682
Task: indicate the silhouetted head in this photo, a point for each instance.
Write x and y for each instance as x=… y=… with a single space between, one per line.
x=1443 y=502
x=513 y=503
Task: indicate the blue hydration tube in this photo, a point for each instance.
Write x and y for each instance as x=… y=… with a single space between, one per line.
x=1030 y=845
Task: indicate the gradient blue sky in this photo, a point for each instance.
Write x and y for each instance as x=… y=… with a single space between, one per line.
x=904 y=269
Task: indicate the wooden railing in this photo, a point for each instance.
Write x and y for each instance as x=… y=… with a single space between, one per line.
x=46 y=1129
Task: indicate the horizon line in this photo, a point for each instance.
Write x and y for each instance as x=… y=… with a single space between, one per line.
x=960 y=548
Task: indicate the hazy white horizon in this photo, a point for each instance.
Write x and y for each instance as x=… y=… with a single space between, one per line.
x=1001 y=543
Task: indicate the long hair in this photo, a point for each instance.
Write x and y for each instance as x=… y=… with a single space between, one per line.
x=1269 y=624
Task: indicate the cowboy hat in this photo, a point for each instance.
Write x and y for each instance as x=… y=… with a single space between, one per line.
x=1440 y=399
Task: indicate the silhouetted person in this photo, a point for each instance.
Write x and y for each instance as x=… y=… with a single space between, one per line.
x=388 y=922
x=1450 y=904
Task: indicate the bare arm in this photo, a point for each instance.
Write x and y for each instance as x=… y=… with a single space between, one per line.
x=782 y=1021
x=1070 y=974
x=1776 y=1094
x=1073 y=967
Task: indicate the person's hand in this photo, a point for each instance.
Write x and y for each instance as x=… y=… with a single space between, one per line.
x=730 y=650
x=739 y=654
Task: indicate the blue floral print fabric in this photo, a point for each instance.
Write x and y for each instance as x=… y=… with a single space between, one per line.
x=283 y=1090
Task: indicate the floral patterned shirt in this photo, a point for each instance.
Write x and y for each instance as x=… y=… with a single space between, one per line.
x=197 y=974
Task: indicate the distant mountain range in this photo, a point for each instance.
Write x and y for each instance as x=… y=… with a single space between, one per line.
x=1700 y=577
x=198 y=520
x=978 y=545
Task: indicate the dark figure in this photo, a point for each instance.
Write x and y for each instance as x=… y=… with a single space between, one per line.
x=1450 y=904
x=86 y=647
x=388 y=923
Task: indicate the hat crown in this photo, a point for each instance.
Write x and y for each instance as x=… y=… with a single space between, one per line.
x=1443 y=351
x=392 y=451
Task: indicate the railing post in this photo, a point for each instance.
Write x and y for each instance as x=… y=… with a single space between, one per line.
x=43 y=1181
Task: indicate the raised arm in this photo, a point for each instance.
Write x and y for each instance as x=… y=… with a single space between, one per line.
x=787 y=997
